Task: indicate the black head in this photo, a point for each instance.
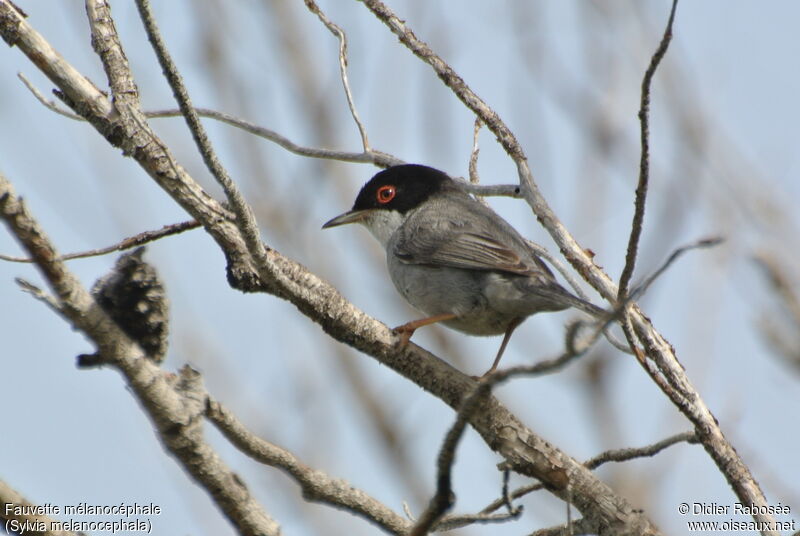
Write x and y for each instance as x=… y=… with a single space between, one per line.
x=401 y=188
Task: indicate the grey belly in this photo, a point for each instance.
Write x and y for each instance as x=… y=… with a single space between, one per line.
x=435 y=291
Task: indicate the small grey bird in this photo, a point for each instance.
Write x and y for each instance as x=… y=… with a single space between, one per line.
x=453 y=258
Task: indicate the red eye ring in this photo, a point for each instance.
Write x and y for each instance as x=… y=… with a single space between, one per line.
x=385 y=193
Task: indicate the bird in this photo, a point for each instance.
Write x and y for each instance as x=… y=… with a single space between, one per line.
x=453 y=258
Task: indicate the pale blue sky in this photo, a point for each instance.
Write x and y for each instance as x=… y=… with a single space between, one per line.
x=79 y=436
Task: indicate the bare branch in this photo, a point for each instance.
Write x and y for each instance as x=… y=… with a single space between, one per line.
x=128 y=243
x=523 y=450
x=39 y=294
x=644 y=164
x=623 y=455
x=484 y=516
x=457 y=522
x=379 y=158
x=473 y=157
x=516 y=494
x=670 y=376
x=316 y=485
x=245 y=219
x=51 y=104
x=474 y=178
x=20 y=516
x=489 y=190
x=618 y=455
x=173 y=406
x=640 y=289
x=342 y=37
x=528 y=189
x=444 y=497
x=107 y=45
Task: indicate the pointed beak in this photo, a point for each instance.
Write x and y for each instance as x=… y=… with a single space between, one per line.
x=353 y=216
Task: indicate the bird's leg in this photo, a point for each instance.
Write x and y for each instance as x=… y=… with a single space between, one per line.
x=407 y=330
x=509 y=330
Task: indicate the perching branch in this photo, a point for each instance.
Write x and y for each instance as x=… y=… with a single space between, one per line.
x=672 y=377
x=318 y=301
x=524 y=451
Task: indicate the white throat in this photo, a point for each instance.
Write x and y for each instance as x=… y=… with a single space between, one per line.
x=382 y=224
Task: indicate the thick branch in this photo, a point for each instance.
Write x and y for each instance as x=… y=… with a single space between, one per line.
x=316 y=485
x=21 y=516
x=172 y=406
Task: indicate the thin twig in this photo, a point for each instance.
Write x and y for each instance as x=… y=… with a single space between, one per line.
x=617 y=455
x=407 y=511
x=507 y=494
x=473 y=157
x=379 y=158
x=516 y=494
x=39 y=294
x=340 y=35
x=372 y=156
x=660 y=379
x=316 y=485
x=128 y=243
x=527 y=185
x=626 y=454
x=443 y=499
x=489 y=190
x=460 y=521
x=51 y=104
x=644 y=163
x=474 y=178
x=245 y=219
x=640 y=289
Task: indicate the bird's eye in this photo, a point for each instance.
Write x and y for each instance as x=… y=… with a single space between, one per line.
x=385 y=194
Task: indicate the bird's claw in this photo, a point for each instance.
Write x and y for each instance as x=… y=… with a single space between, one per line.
x=404 y=333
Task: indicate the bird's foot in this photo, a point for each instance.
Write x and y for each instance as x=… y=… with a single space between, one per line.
x=482 y=376
x=404 y=333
